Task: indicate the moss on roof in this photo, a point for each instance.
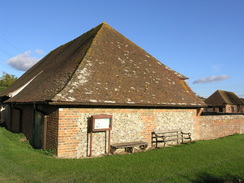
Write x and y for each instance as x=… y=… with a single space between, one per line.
x=102 y=67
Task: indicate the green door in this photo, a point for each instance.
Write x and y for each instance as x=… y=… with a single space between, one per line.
x=37 y=141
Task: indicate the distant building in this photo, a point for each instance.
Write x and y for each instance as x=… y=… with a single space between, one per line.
x=224 y=101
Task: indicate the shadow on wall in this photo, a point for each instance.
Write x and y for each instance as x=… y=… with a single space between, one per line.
x=87 y=135
x=2 y=124
x=218 y=113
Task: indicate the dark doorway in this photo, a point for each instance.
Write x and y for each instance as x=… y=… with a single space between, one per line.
x=37 y=129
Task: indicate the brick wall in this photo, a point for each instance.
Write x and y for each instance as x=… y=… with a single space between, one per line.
x=127 y=125
x=67 y=128
x=68 y=133
x=52 y=130
x=215 y=126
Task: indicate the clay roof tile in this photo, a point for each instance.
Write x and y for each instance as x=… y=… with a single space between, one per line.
x=102 y=67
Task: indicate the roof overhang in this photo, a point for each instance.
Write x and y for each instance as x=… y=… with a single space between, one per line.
x=127 y=105
x=95 y=104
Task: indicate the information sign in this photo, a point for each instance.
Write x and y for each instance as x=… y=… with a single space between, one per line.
x=101 y=122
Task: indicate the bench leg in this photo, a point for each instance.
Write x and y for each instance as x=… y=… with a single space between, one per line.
x=143 y=147
x=112 y=150
x=129 y=149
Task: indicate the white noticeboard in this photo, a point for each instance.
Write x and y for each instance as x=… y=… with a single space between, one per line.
x=102 y=123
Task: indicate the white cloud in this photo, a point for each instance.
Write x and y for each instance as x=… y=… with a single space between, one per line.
x=23 y=62
x=40 y=52
x=211 y=79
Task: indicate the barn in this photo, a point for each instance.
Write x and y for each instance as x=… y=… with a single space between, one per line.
x=101 y=73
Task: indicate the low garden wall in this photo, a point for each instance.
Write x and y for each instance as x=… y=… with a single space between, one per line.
x=216 y=126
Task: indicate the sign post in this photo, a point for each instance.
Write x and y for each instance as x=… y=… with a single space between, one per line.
x=100 y=123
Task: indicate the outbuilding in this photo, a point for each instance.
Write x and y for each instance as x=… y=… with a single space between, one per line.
x=224 y=102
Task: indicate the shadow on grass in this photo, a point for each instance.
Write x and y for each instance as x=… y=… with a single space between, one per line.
x=207 y=178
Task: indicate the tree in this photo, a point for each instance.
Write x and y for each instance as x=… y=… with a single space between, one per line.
x=200 y=97
x=6 y=80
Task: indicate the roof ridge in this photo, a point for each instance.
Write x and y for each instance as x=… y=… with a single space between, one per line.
x=100 y=26
x=87 y=51
x=228 y=96
x=223 y=95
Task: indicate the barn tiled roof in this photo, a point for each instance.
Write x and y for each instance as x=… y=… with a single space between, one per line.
x=102 y=67
x=221 y=98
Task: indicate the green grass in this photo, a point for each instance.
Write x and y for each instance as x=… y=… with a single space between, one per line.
x=202 y=161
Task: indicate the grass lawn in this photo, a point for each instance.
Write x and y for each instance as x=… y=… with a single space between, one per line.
x=202 y=161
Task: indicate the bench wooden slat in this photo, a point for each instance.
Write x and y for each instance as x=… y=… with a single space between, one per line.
x=161 y=136
x=174 y=139
x=169 y=135
x=129 y=146
x=168 y=131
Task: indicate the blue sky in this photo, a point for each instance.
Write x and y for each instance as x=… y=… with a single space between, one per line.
x=201 y=39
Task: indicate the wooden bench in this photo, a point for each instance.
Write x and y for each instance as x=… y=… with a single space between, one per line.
x=170 y=135
x=129 y=146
